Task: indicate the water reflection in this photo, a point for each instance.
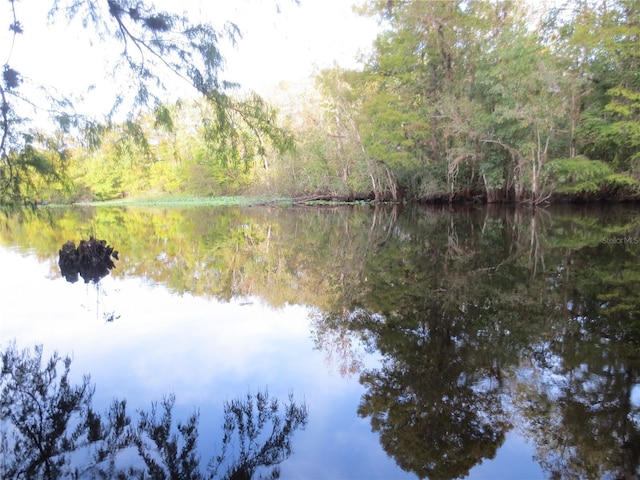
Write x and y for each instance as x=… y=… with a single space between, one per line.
x=484 y=323
x=463 y=327
x=92 y=260
x=50 y=430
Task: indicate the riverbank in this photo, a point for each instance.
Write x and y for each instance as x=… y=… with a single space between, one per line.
x=250 y=201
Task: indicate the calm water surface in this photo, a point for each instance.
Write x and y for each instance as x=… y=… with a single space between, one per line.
x=429 y=343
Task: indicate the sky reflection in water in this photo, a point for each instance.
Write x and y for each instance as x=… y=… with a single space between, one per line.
x=206 y=352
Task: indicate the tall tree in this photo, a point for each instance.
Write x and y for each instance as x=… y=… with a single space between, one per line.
x=413 y=68
x=519 y=87
x=621 y=43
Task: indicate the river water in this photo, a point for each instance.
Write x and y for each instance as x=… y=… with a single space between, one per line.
x=472 y=342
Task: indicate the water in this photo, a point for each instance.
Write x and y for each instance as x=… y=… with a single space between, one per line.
x=431 y=343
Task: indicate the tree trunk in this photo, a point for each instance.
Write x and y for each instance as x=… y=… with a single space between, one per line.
x=494 y=195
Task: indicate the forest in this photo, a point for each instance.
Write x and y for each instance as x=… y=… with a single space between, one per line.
x=458 y=101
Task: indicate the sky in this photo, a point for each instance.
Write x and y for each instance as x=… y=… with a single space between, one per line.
x=282 y=41
x=294 y=43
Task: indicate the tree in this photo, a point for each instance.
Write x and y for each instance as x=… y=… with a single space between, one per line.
x=602 y=38
x=157 y=47
x=351 y=171
x=519 y=86
x=412 y=70
x=596 y=46
x=185 y=147
x=474 y=98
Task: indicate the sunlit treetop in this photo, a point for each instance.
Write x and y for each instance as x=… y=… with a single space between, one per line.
x=155 y=48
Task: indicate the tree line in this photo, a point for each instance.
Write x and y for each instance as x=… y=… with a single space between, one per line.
x=458 y=101
x=149 y=50
x=490 y=101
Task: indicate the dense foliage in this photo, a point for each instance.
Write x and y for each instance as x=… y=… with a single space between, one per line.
x=458 y=100
x=147 y=50
x=492 y=100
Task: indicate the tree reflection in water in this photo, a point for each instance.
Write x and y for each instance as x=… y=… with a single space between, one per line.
x=492 y=324
x=51 y=431
x=436 y=414
x=485 y=319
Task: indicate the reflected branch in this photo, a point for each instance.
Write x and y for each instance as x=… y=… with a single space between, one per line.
x=50 y=430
